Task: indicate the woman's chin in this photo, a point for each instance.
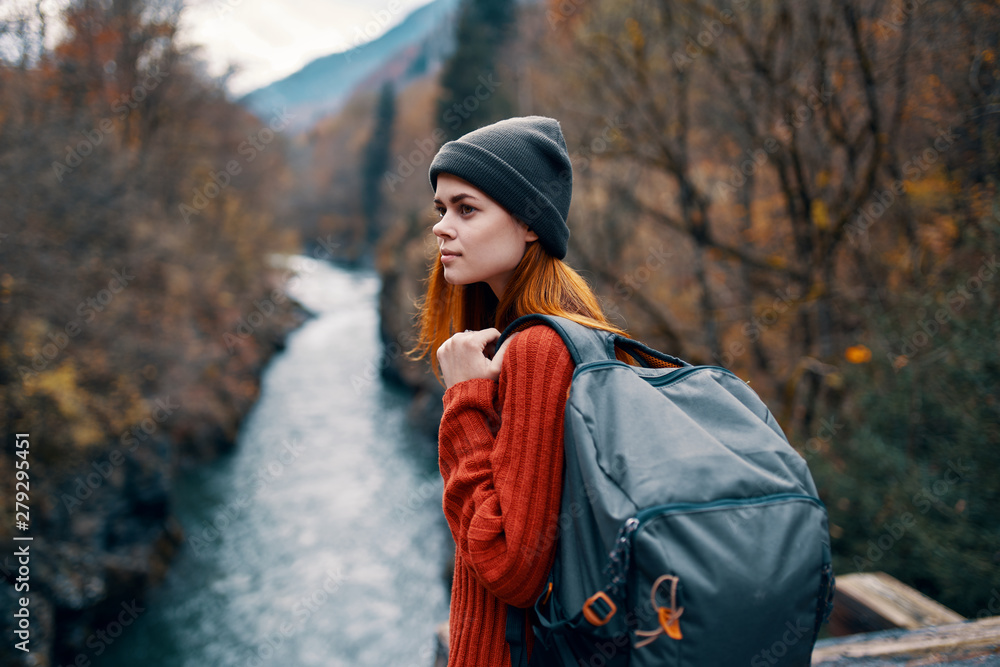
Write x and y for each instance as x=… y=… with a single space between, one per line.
x=456 y=276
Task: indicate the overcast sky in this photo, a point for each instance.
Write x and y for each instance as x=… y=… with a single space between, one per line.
x=266 y=39
x=269 y=40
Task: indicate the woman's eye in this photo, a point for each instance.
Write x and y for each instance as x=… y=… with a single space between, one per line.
x=439 y=211
x=465 y=209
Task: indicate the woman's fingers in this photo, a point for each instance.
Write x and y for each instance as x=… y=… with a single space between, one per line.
x=463 y=357
x=497 y=360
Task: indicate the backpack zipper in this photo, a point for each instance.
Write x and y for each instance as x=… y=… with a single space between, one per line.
x=618 y=560
x=677 y=508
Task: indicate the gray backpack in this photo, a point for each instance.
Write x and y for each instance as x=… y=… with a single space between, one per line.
x=690 y=532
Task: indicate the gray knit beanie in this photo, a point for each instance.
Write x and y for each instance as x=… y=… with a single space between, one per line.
x=523 y=165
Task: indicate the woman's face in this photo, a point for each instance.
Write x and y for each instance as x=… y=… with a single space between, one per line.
x=479 y=240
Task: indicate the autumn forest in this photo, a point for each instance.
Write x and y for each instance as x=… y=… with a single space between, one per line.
x=803 y=192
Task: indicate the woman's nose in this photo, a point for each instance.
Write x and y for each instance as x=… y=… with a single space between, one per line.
x=442 y=228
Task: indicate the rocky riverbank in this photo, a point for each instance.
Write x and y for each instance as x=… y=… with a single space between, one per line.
x=402 y=261
x=101 y=516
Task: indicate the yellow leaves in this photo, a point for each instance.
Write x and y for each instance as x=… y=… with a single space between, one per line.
x=858 y=354
x=635 y=35
x=927 y=189
x=819 y=214
x=834 y=381
x=777 y=261
x=816 y=291
x=33 y=330
x=60 y=384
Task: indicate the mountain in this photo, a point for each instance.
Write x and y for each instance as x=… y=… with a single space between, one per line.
x=409 y=49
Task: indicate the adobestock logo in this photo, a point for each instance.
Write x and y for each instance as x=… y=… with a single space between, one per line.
x=460 y=111
x=86 y=485
x=930 y=326
x=776 y=651
x=425 y=149
x=713 y=28
x=363 y=35
x=924 y=500
x=913 y=169
x=87 y=310
x=123 y=106
x=218 y=181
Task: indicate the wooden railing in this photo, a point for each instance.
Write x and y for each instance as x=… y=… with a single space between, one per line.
x=878 y=620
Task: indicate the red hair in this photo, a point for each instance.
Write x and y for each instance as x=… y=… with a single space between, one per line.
x=540 y=284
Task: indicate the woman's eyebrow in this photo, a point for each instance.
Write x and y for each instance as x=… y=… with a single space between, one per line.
x=457 y=198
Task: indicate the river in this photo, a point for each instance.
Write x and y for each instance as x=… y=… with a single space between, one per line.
x=320 y=540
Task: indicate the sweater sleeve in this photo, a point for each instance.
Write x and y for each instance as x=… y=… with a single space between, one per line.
x=501 y=455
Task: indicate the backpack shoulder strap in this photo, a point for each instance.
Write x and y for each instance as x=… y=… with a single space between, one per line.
x=587 y=344
x=517 y=624
x=584 y=343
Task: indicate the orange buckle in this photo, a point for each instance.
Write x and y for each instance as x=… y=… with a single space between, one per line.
x=592 y=616
x=670 y=623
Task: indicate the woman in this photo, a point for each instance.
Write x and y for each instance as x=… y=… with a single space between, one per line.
x=502 y=194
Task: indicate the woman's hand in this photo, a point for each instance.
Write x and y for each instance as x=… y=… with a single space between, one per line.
x=464 y=356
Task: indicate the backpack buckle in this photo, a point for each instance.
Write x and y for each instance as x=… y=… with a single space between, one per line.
x=605 y=605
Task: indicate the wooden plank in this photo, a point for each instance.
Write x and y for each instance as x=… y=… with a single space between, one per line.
x=927 y=646
x=871 y=601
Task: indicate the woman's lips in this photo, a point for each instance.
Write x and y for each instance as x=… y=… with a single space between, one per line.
x=448 y=256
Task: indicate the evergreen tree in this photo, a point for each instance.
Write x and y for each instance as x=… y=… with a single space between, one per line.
x=473 y=92
x=911 y=473
x=376 y=161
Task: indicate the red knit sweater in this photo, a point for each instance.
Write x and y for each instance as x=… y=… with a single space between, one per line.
x=501 y=456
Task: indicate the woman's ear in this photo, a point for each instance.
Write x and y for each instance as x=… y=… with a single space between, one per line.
x=529 y=234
